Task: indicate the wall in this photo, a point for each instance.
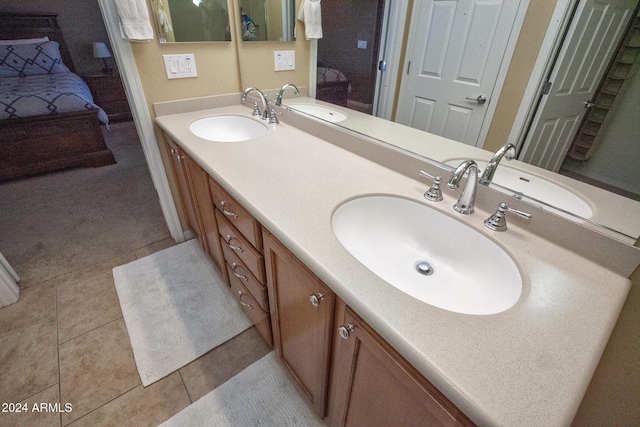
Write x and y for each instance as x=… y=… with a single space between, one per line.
x=81 y=24
x=524 y=57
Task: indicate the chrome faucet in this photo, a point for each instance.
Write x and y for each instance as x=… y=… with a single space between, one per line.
x=508 y=150
x=467 y=199
x=265 y=103
x=282 y=89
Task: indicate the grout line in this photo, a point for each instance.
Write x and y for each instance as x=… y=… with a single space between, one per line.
x=184 y=386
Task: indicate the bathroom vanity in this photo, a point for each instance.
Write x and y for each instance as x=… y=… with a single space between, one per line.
x=361 y=350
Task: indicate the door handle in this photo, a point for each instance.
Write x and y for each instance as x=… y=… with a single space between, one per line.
x=589 y=104
x=480 y=99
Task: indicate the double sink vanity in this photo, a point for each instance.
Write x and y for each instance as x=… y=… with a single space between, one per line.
x=385 y=307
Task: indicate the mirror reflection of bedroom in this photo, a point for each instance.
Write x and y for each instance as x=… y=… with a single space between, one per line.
x=348 y=53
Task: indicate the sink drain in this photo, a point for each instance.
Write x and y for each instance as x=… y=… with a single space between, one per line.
x=424 y=268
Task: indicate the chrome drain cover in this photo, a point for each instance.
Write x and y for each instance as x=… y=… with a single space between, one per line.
x=424 y=268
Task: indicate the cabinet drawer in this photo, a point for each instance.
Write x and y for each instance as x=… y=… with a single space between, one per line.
x=236 y=214
x=251 y=308
x=242 y=273
x=234 y=241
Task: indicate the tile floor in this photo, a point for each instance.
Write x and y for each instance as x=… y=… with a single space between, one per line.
x=65 y=342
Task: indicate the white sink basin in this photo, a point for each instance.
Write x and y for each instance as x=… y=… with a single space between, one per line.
x=390 y=235
x=323 y=113
x=536 y=187
x=228 y=128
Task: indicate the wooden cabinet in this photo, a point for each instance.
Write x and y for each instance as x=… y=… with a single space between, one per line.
x=199 y=209
x=344 y=368
x=108 y=93
x=302 y=315
x=199 y=180
x=177 y=157
x=372 y=384
x=240 y=237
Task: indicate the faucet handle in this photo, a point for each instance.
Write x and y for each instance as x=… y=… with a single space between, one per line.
x=273 y=117
x=256 y=110
x=498 y=221
x=433 y=194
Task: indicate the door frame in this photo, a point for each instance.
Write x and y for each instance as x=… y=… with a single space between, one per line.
x=551 y=44
x=502 y=71
x=125 y=60
x=391 y=40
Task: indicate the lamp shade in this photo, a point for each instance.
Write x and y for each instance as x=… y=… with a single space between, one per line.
x=100 y=50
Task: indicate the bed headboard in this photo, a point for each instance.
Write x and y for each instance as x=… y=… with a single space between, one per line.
x=22 y=26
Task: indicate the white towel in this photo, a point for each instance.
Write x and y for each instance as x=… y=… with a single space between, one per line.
x=310 y=13
x=134 y=20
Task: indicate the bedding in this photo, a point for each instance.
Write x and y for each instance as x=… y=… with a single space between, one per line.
x=45 y=94
x=24 y=41
x=31 y=59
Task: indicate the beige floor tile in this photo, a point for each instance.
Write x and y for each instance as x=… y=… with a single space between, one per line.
x=92 y=270
x=142 y=406
x=42 y=410
x=95 y=368
x=29 y=361
x=36 y=304
x=87 y=305
x=222 y=363
x=155 y=247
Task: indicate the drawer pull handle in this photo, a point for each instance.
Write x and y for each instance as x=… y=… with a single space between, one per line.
x=240 y=295
x=239 y=276
x=226 y=212
x=235 y=248
x=345 y=331
x=316 y=298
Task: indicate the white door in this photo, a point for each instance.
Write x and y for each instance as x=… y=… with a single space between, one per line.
x=591 y=40
x=9 y=291
x=455 y=54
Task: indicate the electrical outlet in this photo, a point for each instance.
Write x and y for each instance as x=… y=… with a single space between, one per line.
x=180 y=66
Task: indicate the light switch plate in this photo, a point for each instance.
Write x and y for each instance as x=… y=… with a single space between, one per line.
x=180 y=66
x=285 y=60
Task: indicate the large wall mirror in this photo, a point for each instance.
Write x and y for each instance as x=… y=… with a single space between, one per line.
x=617 y=211
x=188 y=21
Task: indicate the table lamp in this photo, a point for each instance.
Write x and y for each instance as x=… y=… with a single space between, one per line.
x=100 y=50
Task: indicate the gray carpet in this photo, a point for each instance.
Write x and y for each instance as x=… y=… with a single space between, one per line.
x=176 y=308
x=64 y=221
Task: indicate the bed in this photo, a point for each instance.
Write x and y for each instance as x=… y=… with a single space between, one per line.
x=332 y=86
x=48 y=120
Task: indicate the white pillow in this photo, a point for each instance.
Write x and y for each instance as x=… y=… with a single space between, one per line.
x=24 y=41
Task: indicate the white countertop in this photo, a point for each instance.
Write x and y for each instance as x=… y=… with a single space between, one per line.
x=529 y=365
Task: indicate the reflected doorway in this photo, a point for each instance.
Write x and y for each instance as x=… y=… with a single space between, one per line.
x=347 y=63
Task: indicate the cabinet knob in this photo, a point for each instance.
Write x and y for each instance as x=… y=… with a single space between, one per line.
x=345 y=331
x=316 y=298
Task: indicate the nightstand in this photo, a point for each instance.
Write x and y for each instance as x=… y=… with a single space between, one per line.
x=108 y=93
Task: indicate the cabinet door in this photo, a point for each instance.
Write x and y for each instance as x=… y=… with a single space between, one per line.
x=372 y=385
x=180 y=173
x=205 y=210
x=302 y=328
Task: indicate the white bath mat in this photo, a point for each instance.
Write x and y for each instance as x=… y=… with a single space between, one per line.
x=176 y=308
x=261 y=395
